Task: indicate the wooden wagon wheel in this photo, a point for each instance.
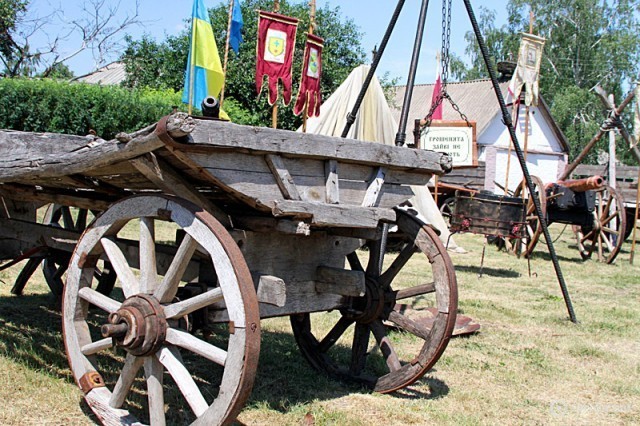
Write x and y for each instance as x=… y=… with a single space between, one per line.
x=447 y=208
x=525 y=246
x=606 y=235
x=146 y=326
x=395 y=309
x=55 y=264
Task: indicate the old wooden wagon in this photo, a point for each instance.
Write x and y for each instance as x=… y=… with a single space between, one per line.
x=202 y=228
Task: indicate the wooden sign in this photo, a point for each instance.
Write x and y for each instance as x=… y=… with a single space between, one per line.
x=455 y=138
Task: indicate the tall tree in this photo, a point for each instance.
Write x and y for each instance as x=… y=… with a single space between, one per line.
x=589 y=43
x=162 y=64
x=99 y=28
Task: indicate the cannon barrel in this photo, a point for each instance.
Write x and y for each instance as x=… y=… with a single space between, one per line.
x=584 y=184
x=210 y=107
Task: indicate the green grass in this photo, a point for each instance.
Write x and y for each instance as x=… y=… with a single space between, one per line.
x=528 y=365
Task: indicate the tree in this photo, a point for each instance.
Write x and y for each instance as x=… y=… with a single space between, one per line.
x=99 y=28
x=162 y=64
x=588 y=43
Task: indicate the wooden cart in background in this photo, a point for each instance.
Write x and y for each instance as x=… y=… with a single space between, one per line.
x=204 y=227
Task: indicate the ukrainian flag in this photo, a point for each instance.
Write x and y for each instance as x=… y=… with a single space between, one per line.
x=204 y=75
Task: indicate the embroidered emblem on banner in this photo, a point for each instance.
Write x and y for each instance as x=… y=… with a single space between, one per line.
x=314 y=65
x=276 y=46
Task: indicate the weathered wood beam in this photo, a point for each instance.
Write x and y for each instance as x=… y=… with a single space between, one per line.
x=166 y=178
x=333 y=182
x=375 y=188
x=41 y=155
x=271 y=290
x=589 y=146
x=340 y=281
x=283 y=178
x=265 y=140
x=334 y=215
x=87 y=200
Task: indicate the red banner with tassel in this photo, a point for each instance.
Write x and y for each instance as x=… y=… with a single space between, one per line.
x=309 y=91
x=276 y=43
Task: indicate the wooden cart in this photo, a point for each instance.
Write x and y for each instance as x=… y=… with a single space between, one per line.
x=207 y=227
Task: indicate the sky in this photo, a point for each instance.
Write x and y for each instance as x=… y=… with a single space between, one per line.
x=167 y=17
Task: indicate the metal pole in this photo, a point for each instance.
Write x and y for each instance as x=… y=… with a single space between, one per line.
x=512 y=132
x=401 y=136
x=351 y=117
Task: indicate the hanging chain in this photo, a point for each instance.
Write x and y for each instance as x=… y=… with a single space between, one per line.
x=446 y=44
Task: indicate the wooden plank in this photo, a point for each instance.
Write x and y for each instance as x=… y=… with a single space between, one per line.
x=270 y=224
x=208 y=134
x=332 y=182
x=344 y=282
x=283 y=178
x=37 y=234
x=375 y=188
x=41 y=155
x=167 y=179
x=328 y=215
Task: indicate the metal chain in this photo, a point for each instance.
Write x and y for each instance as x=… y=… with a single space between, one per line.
x=446 y=44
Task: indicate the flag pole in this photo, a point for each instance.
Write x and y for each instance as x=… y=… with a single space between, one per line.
x=526 y=114
x=274 y=110
x=312 y=26
x=226 y=52
x=192 y=63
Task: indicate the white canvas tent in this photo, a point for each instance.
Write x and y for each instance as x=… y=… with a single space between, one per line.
x=374 y=123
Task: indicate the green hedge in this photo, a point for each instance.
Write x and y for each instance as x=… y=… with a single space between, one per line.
x=75 y=108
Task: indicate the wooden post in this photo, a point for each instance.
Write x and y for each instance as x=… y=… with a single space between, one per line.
x=276 y=6
x=312 y=27
x=612 y=152
x=635 y=220
x=226 y=52
x=526 y=146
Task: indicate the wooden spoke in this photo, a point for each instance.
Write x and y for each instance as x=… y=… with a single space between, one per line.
x=418 y=290
x=148 y=268
x=132 y=365
x=373 y=265
x=409 y=325
x=606 y=240
x=97 y=346
x=390 y=355
x=192 y=304
x=81 y=221
x=398 y=263
x=169 y=357
x=100 y=300
x=359 y=349
x=130 y=284
x=192 y=343
x=354 y=262
x=336 y=332
x=153 y=372
x=67 y=219
x=168 y=288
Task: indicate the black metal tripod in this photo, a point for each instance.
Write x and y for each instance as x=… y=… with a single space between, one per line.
x=506 y=117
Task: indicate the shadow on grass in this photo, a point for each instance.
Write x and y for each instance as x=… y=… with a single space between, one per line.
x=31 y=335
x=492 y=272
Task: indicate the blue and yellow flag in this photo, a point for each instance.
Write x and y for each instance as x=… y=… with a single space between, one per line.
x=204 y=76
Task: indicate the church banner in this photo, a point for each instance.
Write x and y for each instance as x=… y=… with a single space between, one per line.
x=309 y=92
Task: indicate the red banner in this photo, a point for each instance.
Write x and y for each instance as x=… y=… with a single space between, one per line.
x=309 y=93
x=276 y=42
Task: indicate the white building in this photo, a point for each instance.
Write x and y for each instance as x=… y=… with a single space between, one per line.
x=547 y=148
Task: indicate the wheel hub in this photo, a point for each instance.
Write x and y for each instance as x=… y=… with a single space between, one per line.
x=369 y=307
x=139 y=326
